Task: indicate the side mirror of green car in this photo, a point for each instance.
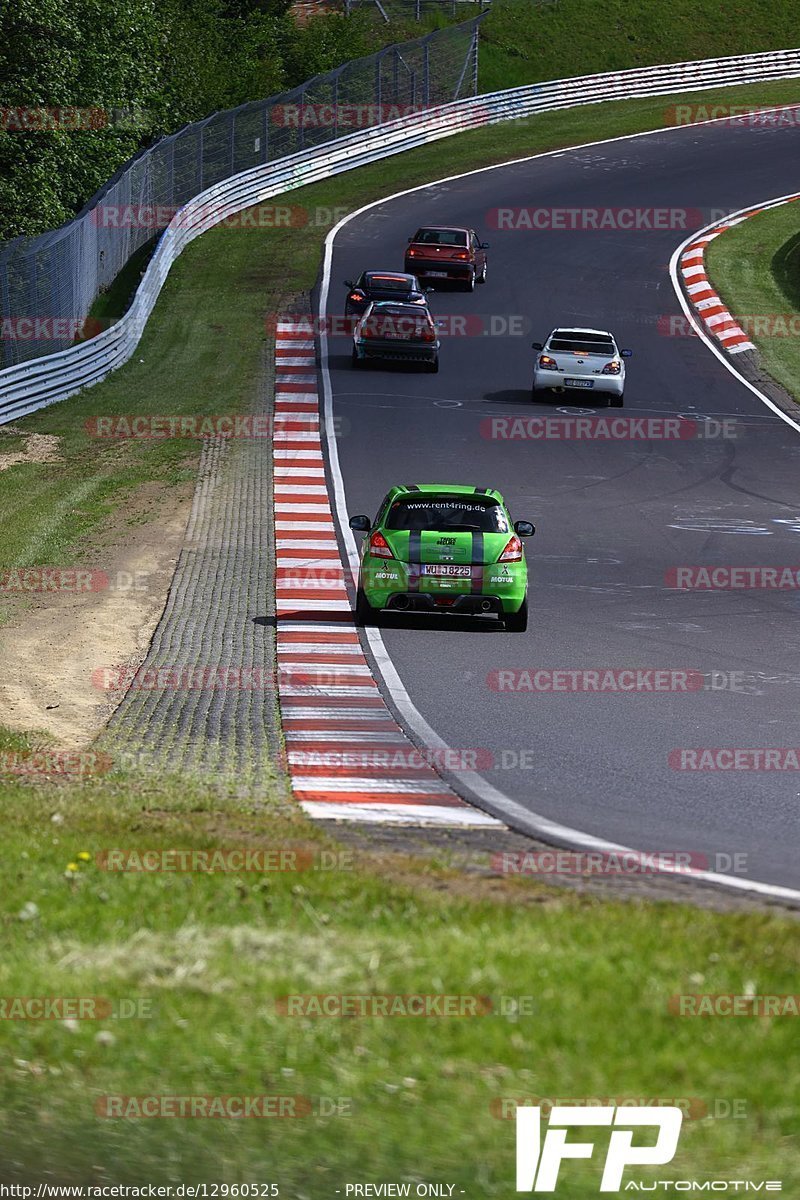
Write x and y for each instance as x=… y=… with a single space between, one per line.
x=524 y=528
x=361 y=523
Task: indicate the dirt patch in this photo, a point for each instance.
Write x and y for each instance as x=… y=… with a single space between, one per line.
x=36 y=448
x=55 y=643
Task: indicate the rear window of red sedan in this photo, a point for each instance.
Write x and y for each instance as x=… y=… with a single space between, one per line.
x=441 y=237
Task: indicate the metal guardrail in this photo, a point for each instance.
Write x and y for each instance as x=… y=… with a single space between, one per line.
x=30 y=386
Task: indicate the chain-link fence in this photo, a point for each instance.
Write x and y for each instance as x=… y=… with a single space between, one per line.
x=49 y=283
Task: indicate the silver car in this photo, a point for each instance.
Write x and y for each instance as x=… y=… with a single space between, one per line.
x=396 y=331
x=574 y=361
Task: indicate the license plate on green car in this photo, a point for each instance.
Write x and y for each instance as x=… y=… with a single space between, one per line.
x=447 y=569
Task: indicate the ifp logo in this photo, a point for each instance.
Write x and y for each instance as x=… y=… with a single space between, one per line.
x=538 y=1162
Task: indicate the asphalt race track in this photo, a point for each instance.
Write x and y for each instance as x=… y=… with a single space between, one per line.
x=613 y=517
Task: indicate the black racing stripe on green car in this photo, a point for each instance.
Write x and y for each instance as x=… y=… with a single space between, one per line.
x=483 y=491
x=414 y=559
x=476 y=574
x=412 y=487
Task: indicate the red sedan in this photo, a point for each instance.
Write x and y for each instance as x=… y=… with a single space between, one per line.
x=444 y=253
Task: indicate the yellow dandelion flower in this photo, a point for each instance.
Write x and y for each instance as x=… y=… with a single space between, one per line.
x=85 y=856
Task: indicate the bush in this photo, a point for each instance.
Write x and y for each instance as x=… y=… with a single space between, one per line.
x=145 y=67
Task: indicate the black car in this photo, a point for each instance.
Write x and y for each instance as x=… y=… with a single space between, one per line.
x=382 y=285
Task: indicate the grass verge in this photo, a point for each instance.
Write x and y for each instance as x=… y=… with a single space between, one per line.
x=202 y=959
x=756 y=269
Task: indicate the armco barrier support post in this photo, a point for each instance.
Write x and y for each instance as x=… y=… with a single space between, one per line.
x=301 y=131
x=5 y=307
x=464 y=71
x=171 y=172
x=336 y=105
x=200 y=139
x=475 y=39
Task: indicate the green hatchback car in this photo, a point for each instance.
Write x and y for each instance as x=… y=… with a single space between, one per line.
x=437 y=547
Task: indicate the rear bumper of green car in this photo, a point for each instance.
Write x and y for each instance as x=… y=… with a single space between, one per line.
x=496 y=587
